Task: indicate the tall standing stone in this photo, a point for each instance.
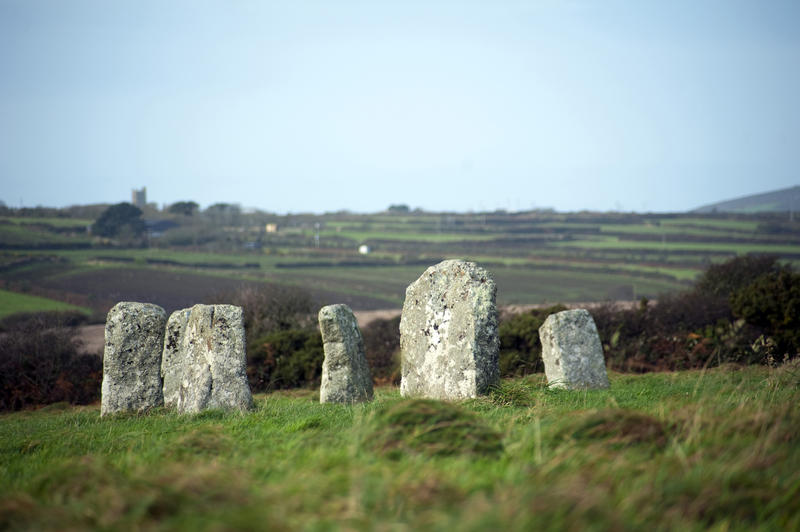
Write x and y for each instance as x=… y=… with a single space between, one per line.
x=204 y=364
x=134 y=336
x=345 y=373
x=572 y=352
x=448 y=333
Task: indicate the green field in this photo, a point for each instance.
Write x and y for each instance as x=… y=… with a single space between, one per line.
x=715 y=450
x=536 y=257
x=12 y=302
x=76 y=223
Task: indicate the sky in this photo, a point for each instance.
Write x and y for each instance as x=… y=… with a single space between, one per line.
x=321 y=106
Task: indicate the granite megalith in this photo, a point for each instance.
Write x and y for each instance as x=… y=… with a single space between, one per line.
x=572 y=352
x=134 y=336
x=204 y=364
x=448 y=333
x=345 y=373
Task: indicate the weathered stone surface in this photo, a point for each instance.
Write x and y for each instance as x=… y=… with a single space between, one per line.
x=204 y=363
x=345 y=373
x=571 y=351
x=132 y=358
x=448 y=333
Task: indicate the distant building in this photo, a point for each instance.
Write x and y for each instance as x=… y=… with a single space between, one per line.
x=271 y=228
x=139 y=197
x=363 y=249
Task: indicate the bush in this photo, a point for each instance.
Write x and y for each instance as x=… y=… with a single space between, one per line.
x=719 y=321
x=270 y=308
x=722 y=280
x=772 y=302
x=520 y=348
x=285 y=359
x=47 y=319
x=40 y=364
x=382 y=346
x=681 y=331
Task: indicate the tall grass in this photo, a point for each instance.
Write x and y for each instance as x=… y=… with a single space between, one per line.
x=691 y=450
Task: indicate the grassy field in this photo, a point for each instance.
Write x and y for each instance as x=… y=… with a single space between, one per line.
x=536 y=257
x=72 y=223
x=12 y=302
x=694 y=450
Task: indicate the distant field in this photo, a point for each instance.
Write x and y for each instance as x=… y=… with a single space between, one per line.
x=21 y=236
x=613 y=242
x=55 y=222
x=12 y=302
x=536 y=257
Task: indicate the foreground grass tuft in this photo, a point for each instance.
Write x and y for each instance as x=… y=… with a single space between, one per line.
x=432 y=428
x=692 y=450
x=618 y=428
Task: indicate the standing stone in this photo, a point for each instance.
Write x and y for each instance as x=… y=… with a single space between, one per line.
x=204 y=364
x=448 y=333
x=571 y=351
x=132 y=358
x=345 y=372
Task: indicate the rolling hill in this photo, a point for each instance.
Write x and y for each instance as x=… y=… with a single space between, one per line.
x=784 y=200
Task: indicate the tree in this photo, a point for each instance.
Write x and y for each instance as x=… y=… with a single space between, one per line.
x=185 y=208
x=225 y=213
x=120 y=220
x=399 y=209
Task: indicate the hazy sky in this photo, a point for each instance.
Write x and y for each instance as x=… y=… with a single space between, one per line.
x=446 y=105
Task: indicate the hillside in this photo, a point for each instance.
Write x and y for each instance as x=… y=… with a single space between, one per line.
x=784 y=200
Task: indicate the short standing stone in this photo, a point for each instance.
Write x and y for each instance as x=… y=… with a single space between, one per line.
x=571 y=351
x=448 y=333
x=345 y=373
x=204 y=364
x=132 y=358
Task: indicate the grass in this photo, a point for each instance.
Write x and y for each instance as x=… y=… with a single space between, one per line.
x=367 y=236
x=77 y=223
x=535 y=257
x=721 y=224
x=19 y=235
x=612 y=242
x=691 y=451
x=13 y=302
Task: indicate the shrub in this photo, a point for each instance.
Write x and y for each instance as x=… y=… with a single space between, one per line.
x=382 y=346
x=772 y=302
x=520 y=348
x=285 y=359
x=270 y=308
x=47 y=319
x=40 y=364
x=722 y=280
x=700 y=327
x=680 y=332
